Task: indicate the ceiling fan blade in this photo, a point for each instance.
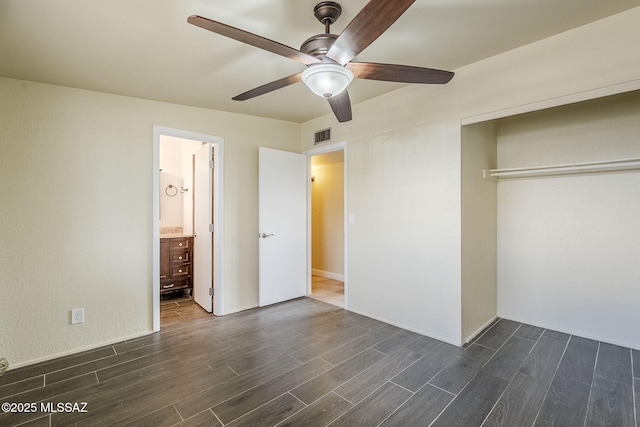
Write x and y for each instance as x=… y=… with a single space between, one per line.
x=399 y=73
x=252 y=39
x=269 y=87
x=341 y=106
x=368 y=25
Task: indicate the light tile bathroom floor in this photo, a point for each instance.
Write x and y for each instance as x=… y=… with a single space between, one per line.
x=327 y=290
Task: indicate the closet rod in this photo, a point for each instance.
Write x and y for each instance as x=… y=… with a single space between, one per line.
x=605 y=166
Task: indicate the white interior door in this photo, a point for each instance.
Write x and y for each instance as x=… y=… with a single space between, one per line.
x=282 y=226
x=202 y=219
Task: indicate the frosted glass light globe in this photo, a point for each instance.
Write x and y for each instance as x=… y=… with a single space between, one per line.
x=327 y=80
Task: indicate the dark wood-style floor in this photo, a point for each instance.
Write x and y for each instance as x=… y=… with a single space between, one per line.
x=305 y=362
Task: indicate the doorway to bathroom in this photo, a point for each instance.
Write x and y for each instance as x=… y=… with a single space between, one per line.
x=187 y=281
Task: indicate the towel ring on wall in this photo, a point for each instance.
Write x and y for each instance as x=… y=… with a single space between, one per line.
x=171 y=191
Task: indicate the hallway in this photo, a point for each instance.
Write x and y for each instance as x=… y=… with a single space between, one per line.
x=327 y=290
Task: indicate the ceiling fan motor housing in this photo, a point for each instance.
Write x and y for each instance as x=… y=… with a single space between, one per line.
x=319 y=45
x=327 y=12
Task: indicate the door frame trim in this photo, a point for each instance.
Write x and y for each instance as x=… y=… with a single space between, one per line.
x=218 y=208
x=342 y=145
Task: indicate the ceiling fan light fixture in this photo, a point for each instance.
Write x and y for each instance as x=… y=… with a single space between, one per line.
x=327 y=79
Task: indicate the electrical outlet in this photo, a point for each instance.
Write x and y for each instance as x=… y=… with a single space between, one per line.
x=77 y=315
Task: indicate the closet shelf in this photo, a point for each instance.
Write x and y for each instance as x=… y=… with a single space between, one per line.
x=565 y=169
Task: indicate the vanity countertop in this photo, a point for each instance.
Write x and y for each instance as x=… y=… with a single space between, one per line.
x=174 y=235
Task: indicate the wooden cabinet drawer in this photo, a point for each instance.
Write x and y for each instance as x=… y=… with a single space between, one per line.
x=178 y=271
x=172 y=285
x=182 y=243
x=178 y=257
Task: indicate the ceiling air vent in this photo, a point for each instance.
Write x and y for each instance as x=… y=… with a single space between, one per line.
x=322 y=136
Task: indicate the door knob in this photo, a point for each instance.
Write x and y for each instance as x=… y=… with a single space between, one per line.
x=265 y=235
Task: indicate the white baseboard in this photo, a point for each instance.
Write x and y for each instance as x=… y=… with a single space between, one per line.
x=631 y=345
x=482 y=328
x=239 y=309
x=408 y=328
x=78 y=350
x=327 y=274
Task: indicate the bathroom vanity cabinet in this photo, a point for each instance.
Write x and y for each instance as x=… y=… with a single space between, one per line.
x=176 y=266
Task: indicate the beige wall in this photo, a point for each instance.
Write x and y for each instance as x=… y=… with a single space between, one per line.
x=479 y=228
x=404 y=243
x=76 y=229
x=327 y=214
x=405 y=256
x=176 y=159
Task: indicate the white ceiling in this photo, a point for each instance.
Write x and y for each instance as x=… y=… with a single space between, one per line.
x=146 y=49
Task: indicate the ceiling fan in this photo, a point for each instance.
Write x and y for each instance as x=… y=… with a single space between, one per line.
x=328 y=57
